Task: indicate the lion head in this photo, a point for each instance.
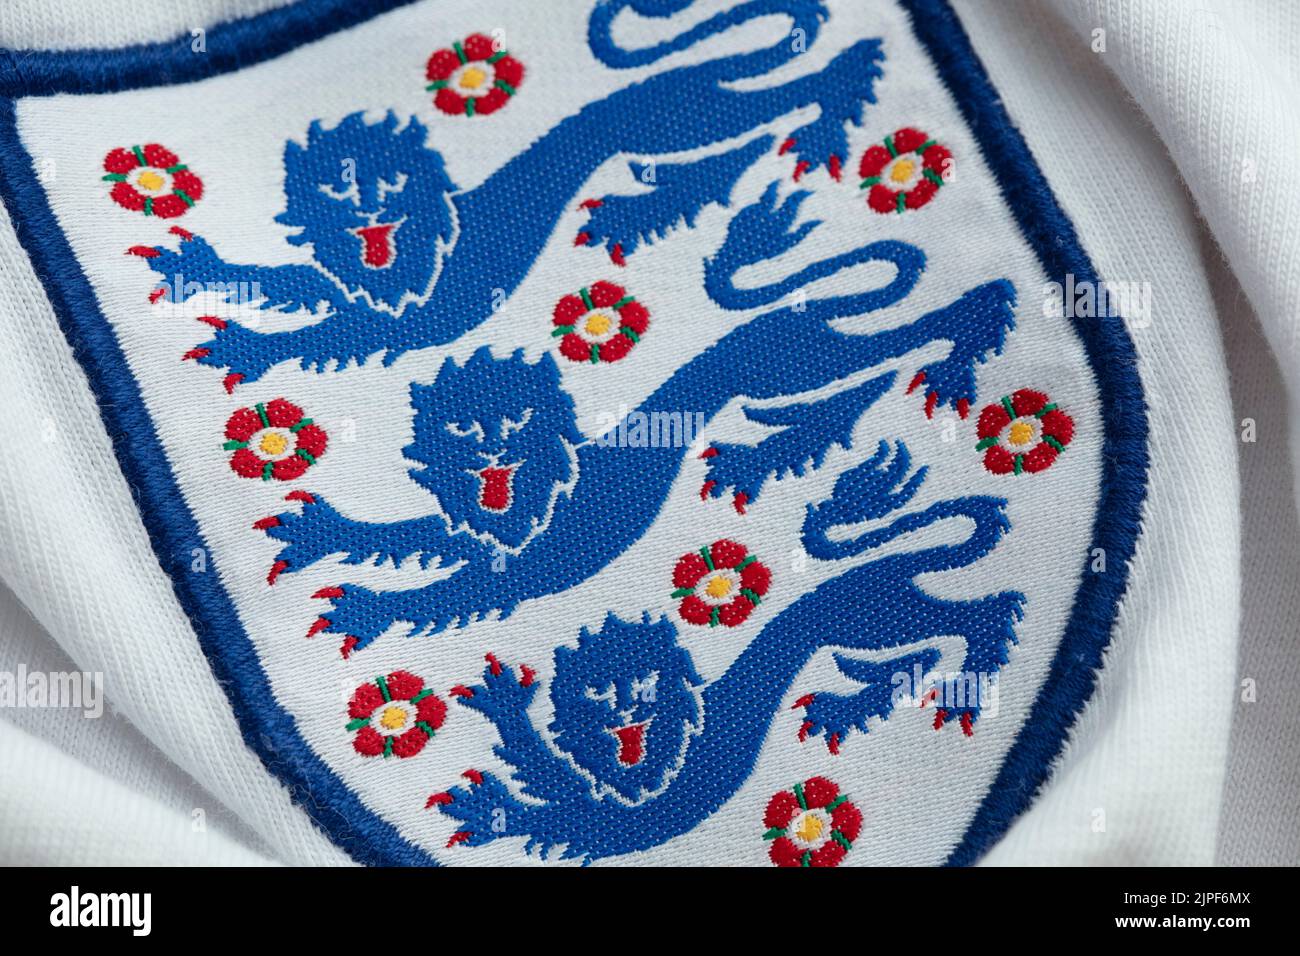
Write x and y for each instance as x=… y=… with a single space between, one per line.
x=373 y=203
x=626 y=704
x=494 y=442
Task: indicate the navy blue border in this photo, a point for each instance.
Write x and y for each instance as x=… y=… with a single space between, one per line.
x=266 y=727
x=1073 y=673
x=226 y=47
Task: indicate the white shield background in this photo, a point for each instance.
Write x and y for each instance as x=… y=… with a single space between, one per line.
x=917 y=788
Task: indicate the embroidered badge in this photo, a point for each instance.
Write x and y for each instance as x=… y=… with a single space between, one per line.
x=667 y=569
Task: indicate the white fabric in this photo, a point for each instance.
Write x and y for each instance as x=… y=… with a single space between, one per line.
x=108 y=775
x=1175 y=641
x=1257 y=824
x=104 y=24
x=1218 y=83
x=1152 y=751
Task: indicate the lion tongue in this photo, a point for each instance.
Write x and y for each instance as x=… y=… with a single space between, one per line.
x=378 y=242
x=494 y=494
x=631 y=743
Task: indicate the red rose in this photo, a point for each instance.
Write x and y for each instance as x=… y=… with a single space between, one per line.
x=273 y=440
x=904 y=172
x=811 y=824
x=151 y=179
x=720 y=584
x=1022 y=432
x=394 y=715
x=473 y=78
x=599 y=324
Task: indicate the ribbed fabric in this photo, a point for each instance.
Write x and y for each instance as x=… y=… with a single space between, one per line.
x=1219 y=85
x=1261 y=789
x=98 y=820
x=96 y=736
x=33 y=24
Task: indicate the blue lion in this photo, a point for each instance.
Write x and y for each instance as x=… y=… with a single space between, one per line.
x=384 y=221
x=359 y=193
x=496 y=443
x=624 y=770
x=626 y=703
x=497 y=459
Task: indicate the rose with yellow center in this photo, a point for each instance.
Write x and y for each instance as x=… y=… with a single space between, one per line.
x=273 y=440
x=601 y=323
x=151 y=179
x=720 y=584
x=811 y=824
x=394 y=715
x=473 y=77
x=1022 y=432
x=904 y=172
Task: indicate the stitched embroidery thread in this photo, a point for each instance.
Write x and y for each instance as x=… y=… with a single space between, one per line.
x=273 y=440
x=694 y=742
x=600 y=324
x=496 y=441
x=811 y=824
x=720 y=584
x=904 y=172
x=473 y=77
x=151 y=179
x=394 y=715
x=513 y=417
x=361 y=193
x=1023 y=432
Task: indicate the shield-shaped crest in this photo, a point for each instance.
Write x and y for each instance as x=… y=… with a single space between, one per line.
x=646 y=432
